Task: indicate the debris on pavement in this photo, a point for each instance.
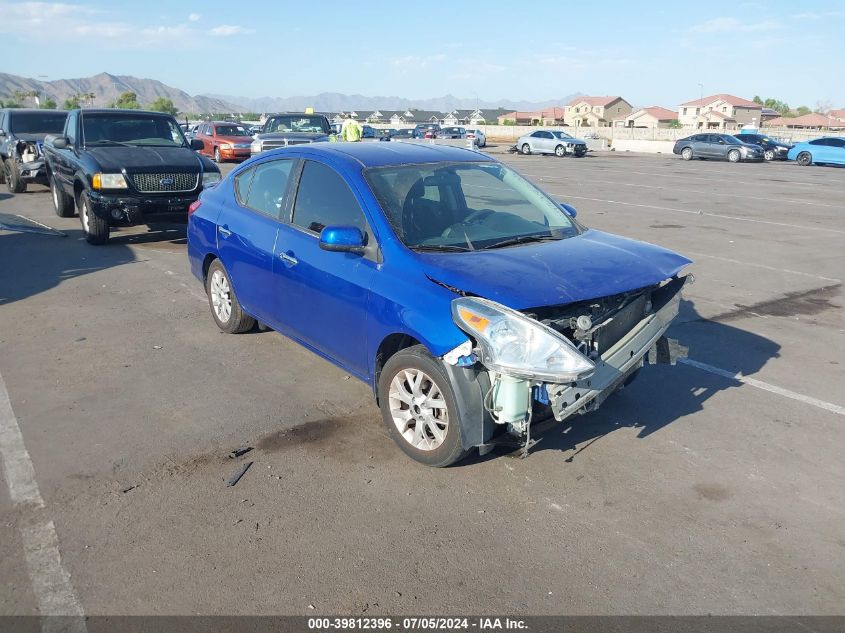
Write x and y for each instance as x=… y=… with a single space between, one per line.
x=243 y=450
x=237 y=476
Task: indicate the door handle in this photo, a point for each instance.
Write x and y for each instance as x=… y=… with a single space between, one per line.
x=288 y=259
x=224 y=231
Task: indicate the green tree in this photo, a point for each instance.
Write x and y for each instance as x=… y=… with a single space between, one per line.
x=757 y=100
x=163 y=104
x=71 y=103
x=675 y=124
x=49 y=104
x=127 y=101
x=802 y=110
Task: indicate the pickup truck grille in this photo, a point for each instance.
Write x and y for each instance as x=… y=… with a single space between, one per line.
x=265 y=145
x=165 y=182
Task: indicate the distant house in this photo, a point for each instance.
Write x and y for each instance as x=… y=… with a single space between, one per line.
x=547 y=116
x=596 y=111
x=812 y=121
x=839 y=115
x=651 y=117
x=719 y=112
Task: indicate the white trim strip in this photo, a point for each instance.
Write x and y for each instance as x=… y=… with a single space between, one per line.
x=786 y=393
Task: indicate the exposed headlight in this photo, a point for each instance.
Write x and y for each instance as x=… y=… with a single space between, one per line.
x=109 y=181
x=255 y=147
x=210 y=178
x=513 y=344
x=225 y=146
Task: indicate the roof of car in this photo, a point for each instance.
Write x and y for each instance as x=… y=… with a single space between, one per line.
x=33 y=111
x=121 y=111
x=396 y=153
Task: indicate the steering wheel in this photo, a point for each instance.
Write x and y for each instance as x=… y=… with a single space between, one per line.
x=476 y=216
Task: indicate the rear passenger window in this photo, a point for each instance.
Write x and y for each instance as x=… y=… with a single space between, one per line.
x=242 y=182
x=324 y=199
x=266 y=188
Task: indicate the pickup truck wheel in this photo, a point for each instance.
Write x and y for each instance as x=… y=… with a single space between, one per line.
x=62 y=203
x=2 y=170
x=419 y=409
x=225 y=307
x=13 y=177
x=96 y=229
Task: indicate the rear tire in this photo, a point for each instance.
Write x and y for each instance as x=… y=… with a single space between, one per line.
x=686 y=153
x=734 y=156
x=96 y=229
x=805 y=159
x=62 y=203
x=560 y=151
x=410 y=380
x=225 y=307
x=526 y=149
x=13 y=177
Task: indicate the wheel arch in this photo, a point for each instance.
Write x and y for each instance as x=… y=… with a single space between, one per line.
x=389 y=346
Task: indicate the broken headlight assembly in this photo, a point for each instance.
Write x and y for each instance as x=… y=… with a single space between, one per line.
x=512 y=344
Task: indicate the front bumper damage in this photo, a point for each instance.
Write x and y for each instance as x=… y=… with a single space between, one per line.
x=33 y=171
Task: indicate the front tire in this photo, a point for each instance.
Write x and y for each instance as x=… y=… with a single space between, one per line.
x=62 y=203
x=734 y=156
x=560 y=151
x=96 y=229
x=686 y=153
x=769 y=155
x=225 y=307
x=805 y=159
x=526 y=149
x=216 y=154
x=13 y=177
x=419 y=408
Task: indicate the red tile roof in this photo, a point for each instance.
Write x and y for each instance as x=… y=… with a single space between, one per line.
x=839 y=114
x=545 y=113
x=813 y=119
x=731 y=99
x=593 y=101
x=661 y=114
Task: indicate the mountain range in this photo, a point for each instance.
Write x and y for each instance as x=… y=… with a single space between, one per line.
x=107 y=87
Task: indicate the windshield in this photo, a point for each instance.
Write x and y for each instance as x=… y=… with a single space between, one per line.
x=105 y=128
x=231 y=130
x=466 y=206
x=732 y=140
x=562 y=135
x=37 y=122
x=296 y=123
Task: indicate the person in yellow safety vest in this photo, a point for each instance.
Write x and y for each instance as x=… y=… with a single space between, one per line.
x=350 y=130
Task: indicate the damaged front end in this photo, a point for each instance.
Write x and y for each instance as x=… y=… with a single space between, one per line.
x=28 y=157
x=570 y=358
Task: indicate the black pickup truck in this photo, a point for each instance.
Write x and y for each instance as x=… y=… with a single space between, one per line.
x=122 y=168
x=22 y=135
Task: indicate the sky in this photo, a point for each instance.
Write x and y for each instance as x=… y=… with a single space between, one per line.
x=649 y=53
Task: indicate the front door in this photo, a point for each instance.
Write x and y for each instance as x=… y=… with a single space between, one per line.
x=323 y=295
x=246 y=234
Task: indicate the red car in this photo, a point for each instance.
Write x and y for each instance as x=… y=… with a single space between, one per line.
x=224 y=141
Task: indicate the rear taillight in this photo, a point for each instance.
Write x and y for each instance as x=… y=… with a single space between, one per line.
x=196 y=204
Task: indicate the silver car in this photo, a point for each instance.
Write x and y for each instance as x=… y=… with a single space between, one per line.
x=554 y=142
x=478 y=135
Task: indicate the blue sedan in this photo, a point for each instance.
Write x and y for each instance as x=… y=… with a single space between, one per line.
x=466 y=297
x=821 y=151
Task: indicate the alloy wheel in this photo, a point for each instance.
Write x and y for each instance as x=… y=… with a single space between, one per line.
x=221 y=297
x=418 y=409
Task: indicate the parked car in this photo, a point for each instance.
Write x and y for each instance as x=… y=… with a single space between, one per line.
x=462 y=294
x=555 y=142
x=403 y=133
x=717 y=147
x=426 y=130
x=124 y=167
x=479 y=136
x=452 y=132
x=291 y=128
x=385 y=133
x=829 y=150
x=22 y=135
x=368 y=131
x=772 y=149
x=224 y=141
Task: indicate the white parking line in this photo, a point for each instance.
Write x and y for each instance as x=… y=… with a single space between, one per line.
x=763 y=266
x=50 y=580
x=786 y=393
x=707 y=213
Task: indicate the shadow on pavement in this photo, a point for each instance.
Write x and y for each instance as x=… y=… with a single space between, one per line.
x=31 y=264
x=662 y=394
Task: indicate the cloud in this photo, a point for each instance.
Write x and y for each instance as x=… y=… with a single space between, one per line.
x=417 y=61
x=194 y=17
x=813 y=15
x=225 y=30
x=732 y=25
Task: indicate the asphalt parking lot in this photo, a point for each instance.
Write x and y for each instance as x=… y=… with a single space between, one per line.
x=690 y=492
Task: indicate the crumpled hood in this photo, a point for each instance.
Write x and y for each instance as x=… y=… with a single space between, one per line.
x=143 y=159
x=591 y=265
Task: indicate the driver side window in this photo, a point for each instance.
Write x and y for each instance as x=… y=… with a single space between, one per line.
x=324 y=199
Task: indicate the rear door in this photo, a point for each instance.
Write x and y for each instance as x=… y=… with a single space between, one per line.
x=246 y=234
x=836 y=151
x=323 y=295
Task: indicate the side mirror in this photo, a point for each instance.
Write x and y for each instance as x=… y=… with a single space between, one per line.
x=568 y=209
x=342 y=239
x=61 y=142
x=197 y=144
